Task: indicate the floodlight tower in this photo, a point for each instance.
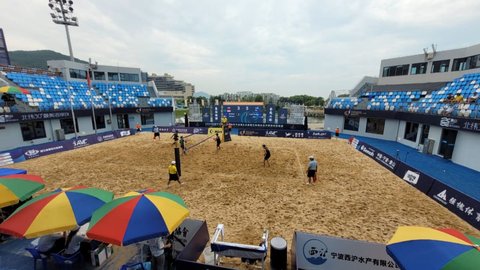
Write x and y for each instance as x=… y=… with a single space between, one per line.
x=62 y=13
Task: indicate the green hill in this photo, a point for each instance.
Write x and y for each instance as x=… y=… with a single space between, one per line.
x=37 y=59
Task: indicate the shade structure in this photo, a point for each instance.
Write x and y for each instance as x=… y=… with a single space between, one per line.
x=60 y=210
x=18 y=187
x=13 y=90
x=420 y=248
x=137 y=217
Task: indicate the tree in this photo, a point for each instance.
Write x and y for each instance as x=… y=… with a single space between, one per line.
x=258 y=98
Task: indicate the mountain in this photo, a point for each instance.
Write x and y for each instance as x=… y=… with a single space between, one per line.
x=37 y=59
x=201 y=94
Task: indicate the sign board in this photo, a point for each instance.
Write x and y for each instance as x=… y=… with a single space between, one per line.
x=300 y=134
x=206 y=115
x=317 y=252
x=243 y=113
x=190 y=130
x=213 y=131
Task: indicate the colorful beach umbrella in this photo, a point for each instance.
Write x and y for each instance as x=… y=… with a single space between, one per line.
x=420 y=248
x=57 y=211
x=13 y=90
x=137 y=217
x=18 y=187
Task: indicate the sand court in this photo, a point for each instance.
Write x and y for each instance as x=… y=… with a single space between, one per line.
x=354 y=196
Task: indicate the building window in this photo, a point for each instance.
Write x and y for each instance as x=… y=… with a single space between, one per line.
x=67 y=125
x=411 y=131
x=99 y=75
x=78 y=74
x=33 y=130
x=351 y=123
x=375 y=125
x=459 y=64
x=419 y=68
x=128 y=77
x=112 y=76
x=425 y=132
x=147 y=119
x=440 y=66
x=100 y=120
x=395 y=71
x=474 y=62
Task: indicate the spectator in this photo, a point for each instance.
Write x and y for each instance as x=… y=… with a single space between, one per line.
x=459 y=98
x=450 y=99
x=138 y=127
x=157 y=248
x=50 y=243
x=73 y=243
x=473 y=98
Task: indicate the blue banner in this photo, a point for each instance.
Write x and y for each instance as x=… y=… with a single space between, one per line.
x=385 y=160
x=270 y=114
x=414 y=177
x=12 y=156
x=319 y=134
x=460 y=204
x=206 y=115
x=282 y=116
x=217 y=113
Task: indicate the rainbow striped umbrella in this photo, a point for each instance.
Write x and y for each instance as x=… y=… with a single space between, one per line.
x=13 y=90
x=18 y=187
x=420 y=248
x=60 y=210
x=136 y=217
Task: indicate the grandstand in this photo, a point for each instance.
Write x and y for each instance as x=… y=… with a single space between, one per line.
x=414 y=109
x=54 y=97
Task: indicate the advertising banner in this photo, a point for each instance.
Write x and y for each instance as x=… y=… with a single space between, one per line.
x=385 y=160
x=45 y=149
x=318 y=252
x=312 y=134
x=282 y=116
x=189 y=130
x=319 y=134
x=414 y=177
x=270 y=114
x=206 y=115
x=11 y=157
x=217 y=114
x=460 y=204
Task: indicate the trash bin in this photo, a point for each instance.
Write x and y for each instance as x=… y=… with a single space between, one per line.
x=278 y=253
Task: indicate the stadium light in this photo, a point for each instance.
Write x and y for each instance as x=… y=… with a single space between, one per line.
x=62 y=13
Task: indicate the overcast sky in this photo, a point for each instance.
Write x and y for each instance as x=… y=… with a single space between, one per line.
x=287 y=47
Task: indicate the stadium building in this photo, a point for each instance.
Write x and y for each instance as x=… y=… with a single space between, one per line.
x=409 y=103
x=53 y=98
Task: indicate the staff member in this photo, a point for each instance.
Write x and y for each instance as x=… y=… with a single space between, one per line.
x=312 y=171
x=173 y=174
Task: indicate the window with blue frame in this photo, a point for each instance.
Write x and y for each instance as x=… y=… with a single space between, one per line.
x=411 y=131
x=375 y=125
x=419 y=68
x=78 y=74
x=33 y=130
x=351 y=123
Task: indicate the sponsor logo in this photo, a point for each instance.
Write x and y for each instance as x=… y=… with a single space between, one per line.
x=271 y=133
x=288 y=134
x=99 y=138
x=315 y=251
x=442 y=196
x=32 y=153
x=196 y=130
x=449 y=122
x=367 y=151
x=80 y=143
x=411 y=177
x=124 y=133
x=108 y=137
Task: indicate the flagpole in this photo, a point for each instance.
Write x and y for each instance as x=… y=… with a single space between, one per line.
x=73 y=112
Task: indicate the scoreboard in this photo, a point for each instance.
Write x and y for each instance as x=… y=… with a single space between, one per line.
x=243 y=112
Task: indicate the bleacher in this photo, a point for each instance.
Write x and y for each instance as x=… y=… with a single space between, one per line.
x=49 y=93
x=423 y=102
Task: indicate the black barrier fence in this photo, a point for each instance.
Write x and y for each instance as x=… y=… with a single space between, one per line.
x=457 y=202
x=251 y=125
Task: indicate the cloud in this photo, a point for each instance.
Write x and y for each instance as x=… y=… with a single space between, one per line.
x=290 y=47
